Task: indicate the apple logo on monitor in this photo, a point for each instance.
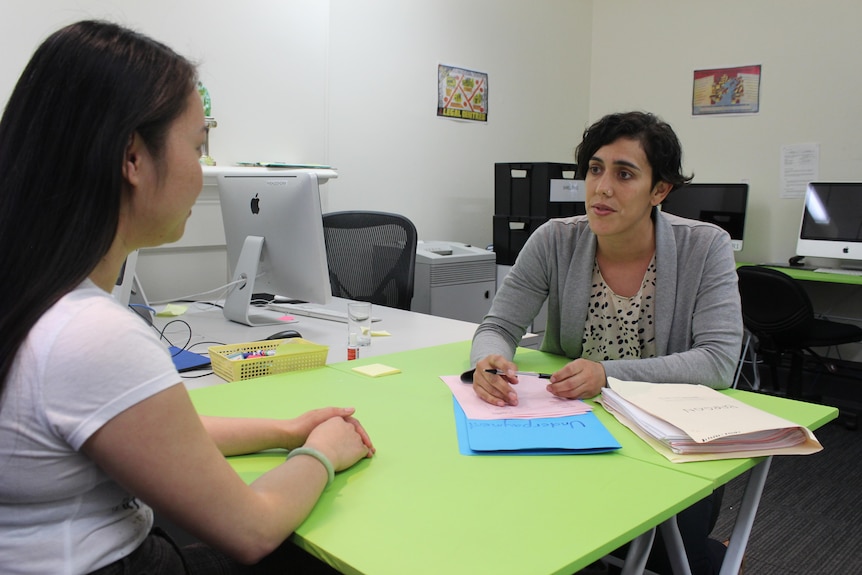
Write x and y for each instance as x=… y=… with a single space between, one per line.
x=255 y=204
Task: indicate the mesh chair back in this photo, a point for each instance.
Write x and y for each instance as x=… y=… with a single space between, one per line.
x=774 y=306
x=372 y=256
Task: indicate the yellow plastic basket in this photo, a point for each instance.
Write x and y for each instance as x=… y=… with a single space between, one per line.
x=296 y=354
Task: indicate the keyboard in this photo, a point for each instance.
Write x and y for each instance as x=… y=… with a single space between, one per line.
x=841 y=271
x=307 y=310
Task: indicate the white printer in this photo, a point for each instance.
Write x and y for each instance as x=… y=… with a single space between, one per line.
x=454 y=280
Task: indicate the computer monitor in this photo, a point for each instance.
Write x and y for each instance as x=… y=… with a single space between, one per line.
x=721 y=204
x=831 y=225
x=273 y=228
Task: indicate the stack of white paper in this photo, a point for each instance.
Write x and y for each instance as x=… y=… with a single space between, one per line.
x=697 y=420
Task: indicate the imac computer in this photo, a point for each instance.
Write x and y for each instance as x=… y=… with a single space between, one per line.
x=831 y=225
x=273 y=229
x=125 y=284
x=721 y=204
x=128 y=290
x=129 y=293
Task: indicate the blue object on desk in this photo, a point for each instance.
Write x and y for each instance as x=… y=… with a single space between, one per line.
x=186 y=360
x=569 y=435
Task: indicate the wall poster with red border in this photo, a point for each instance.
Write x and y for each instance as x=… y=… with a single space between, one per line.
x=726 y=91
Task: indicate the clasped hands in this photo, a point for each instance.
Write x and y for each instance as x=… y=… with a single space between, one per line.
x=579 y=379
x=332 y=431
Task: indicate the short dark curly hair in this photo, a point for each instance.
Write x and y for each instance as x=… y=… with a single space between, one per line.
x=659 y=142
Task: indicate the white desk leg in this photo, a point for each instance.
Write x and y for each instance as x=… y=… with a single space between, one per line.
x=638 y=553
x=748 y=349
x=745 y=518
x=675 y=548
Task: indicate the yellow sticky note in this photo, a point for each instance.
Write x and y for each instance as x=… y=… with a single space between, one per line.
x=172 y=310
x=376 y=370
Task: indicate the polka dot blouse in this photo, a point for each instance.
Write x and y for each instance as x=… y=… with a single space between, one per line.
x=620 y=327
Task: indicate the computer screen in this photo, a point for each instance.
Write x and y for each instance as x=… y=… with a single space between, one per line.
x=721 y=204
x=831 y=225
x=274 y=234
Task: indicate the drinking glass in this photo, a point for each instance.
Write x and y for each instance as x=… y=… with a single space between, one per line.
x=359 y=322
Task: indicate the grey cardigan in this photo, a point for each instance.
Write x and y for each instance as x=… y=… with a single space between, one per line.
x=698 y=324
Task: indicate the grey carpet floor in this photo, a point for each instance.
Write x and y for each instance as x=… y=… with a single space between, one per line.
x=810 y=516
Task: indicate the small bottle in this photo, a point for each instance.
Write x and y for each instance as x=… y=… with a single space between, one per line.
x=210 y=122
x=352 y=347
x=206 y=101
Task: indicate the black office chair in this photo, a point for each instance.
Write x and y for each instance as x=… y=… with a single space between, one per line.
x=778 y=313
x=372 y=256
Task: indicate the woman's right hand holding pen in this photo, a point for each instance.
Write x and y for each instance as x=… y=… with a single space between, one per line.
x=496 y=388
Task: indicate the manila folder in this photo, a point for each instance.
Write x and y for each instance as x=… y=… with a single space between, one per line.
x=701 y=412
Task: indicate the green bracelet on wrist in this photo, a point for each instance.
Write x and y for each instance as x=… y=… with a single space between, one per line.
x=330 y=471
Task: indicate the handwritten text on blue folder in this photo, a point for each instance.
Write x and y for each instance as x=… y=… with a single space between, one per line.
x=541 y=436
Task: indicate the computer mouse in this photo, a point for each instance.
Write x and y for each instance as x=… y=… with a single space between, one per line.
x=286 y=334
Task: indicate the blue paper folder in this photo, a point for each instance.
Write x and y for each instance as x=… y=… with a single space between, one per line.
x=539 y=436
x=186 y=360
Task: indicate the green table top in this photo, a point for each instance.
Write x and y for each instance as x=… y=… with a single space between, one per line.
x=420 y=505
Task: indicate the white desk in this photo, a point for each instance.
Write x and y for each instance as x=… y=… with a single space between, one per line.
x=409 y=330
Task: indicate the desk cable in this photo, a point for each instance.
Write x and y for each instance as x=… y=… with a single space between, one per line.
x=221 y=292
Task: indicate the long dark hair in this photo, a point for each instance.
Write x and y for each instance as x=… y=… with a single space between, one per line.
x=87 y=89
x=660 y=144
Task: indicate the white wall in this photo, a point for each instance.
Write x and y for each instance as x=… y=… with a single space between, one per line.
x=352 y=83
x=264 y=62
x=643 y=57
x=265 y=65
x=644 y=54
x=394 y=154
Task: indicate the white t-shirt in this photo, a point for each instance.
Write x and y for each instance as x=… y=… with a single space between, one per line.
x=85 y=361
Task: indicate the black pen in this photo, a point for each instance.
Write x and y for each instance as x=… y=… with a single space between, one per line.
x=533 y=373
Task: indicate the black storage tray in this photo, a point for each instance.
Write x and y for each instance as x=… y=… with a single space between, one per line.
x=530 y=195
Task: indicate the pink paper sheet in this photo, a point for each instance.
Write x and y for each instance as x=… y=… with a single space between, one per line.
x=533 y=401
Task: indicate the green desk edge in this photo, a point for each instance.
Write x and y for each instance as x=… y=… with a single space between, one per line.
x=810 y=275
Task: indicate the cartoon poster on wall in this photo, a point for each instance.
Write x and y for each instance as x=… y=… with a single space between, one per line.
x=726 y=91
x=462 y=94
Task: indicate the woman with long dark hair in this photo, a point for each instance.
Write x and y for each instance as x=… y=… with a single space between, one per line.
x=99 y=149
